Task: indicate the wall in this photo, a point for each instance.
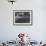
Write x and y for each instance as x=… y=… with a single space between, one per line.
x=37 y=31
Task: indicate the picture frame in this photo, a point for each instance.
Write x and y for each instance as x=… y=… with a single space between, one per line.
x=22 y=17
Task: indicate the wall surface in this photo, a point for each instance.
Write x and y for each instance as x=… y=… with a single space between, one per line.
x=37 y=31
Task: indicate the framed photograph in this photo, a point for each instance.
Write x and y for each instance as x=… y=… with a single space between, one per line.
x=22 y=17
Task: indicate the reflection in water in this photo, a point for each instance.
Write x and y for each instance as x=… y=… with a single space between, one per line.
x=22 y=17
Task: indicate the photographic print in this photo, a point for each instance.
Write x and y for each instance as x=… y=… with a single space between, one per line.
x=22 y=17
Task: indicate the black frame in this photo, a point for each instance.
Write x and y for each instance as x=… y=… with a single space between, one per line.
x=14 y=17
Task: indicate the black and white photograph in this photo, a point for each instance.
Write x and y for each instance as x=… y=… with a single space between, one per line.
x=22 y=16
